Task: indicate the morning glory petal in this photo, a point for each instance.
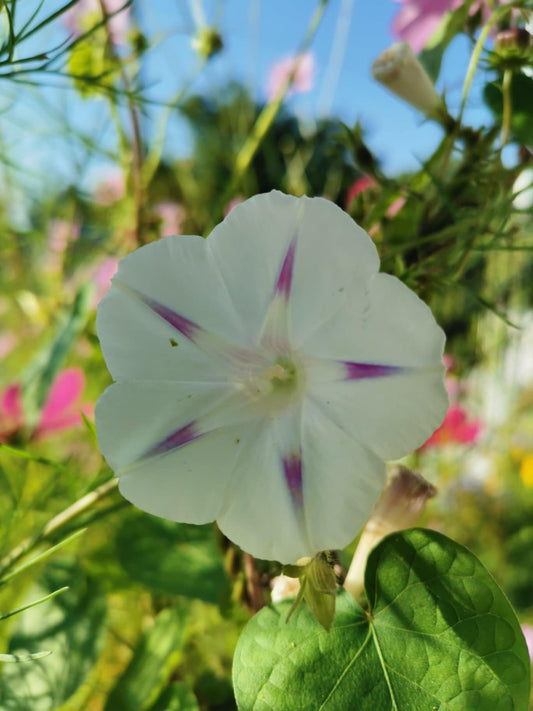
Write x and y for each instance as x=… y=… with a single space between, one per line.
x=162 y=440
x=382 y=322
x=333 y=254
x=257 y=232
x=264 y=374
x=173 y=276
x=263 y=509
x=389 y=415
x=342 y=479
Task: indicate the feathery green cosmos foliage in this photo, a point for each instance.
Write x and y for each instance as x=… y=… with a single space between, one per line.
x=438 y=634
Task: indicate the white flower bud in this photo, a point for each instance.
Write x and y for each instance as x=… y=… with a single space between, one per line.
x=401 y=72
x=398 y=507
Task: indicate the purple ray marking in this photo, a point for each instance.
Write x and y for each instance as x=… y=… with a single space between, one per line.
x=360 y=371
x=175 y=440
x=182 y=324
x=292 y=468
x=284 y=282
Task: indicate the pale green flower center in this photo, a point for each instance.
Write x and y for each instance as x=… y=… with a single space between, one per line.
x=276 y=386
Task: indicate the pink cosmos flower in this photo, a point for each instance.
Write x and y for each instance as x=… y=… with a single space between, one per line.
x=364 y=183
x=172 y=216
x=457 y=427
x=102 y=277
x=417 y=20
x=61 y=232
x=359 y=186
x=111 y=189
x=233 y=203
x=62 y=409
x=75 y=19
x=302 y=81
x=8 y=341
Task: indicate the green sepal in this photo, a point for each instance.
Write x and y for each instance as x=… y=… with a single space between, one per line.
x=318 y=587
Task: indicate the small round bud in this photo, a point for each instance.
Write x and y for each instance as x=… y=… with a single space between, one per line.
x=208 y=42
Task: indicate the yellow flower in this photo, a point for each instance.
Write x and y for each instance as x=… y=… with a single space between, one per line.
x=526 y=470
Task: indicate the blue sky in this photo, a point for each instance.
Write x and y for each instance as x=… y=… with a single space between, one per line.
x=256 y=34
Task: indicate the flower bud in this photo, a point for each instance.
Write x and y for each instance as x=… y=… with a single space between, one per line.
x=398 y=507
x=207 y=42
x=514 y=40
x=401 y=72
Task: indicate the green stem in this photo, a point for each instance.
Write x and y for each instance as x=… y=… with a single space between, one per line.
x=136 y=143
x=266 y=117
x=507 y=106
x=476 y=54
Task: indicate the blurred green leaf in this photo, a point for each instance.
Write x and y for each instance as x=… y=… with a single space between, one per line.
x=177 y=697
x=172 y=558
x=521 y=105
x=71 y=626
x=154 y=659
x=18 y=658
x=38 y=378
x=439 y=634
x=23 y=454
x=42 y=556
x=29 y=605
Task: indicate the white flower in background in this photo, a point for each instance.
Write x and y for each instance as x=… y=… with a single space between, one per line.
x=399 y=69
x=523 y=190
x=264 y=375
x=284 y=587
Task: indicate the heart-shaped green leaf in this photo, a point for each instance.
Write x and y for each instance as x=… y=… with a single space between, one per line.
x=439 y=634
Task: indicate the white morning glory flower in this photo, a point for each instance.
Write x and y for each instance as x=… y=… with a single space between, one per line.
x=264 y=375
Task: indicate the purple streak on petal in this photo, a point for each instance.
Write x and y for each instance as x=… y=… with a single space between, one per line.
x=180 y=323
x=292 y=468
x=284 y=283
x=359 y=371
x=175 y=440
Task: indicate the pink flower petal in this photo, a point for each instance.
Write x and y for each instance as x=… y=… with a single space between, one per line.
x=359 y=186
x=417 y=20
x=303 y=79
x=102 y=277
x=455 y=428
x=11 y=404
x=11 y=412
x=65 y=392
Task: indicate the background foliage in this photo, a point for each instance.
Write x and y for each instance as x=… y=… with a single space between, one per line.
x=141 y=613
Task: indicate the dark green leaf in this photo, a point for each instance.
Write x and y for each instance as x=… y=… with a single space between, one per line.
x=440 y=634
x=172 y=558
x=521 y=105
x=154 y=659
